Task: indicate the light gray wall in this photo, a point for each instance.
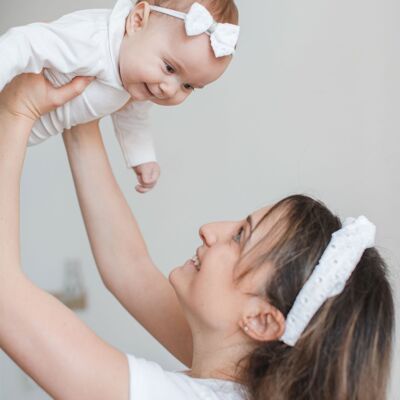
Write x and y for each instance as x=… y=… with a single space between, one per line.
x=309 y=105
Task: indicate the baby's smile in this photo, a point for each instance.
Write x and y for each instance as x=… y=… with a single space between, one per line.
x=149 y=92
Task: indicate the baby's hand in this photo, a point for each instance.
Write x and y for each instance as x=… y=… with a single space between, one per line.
x=147 y=175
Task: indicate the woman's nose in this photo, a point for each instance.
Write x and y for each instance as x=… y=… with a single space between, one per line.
x=217 y=231
x=207 y=235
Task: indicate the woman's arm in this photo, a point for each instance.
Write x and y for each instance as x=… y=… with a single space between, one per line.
x=118 y=246
x=41 y=335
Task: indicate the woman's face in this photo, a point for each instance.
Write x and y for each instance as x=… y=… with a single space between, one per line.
x=206 y=287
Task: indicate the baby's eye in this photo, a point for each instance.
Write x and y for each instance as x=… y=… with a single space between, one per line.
x=188 y=86
x=169 y=68
x=238 y=236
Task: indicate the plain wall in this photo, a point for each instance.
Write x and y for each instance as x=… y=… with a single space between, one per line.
x=310 y=104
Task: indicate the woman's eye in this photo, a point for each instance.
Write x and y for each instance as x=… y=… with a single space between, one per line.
x=238 y=236
x=188 y=86
x=169 y=69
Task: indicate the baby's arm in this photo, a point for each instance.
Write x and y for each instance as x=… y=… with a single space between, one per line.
x=118 y=245
x=131 y=125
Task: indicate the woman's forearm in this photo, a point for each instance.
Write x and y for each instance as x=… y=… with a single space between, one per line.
x=22 y=102
x=14 y=133
x=113 y=232
x=118 y=246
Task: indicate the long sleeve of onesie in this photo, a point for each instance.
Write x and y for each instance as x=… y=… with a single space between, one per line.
x=133 y=133
x=77 y=44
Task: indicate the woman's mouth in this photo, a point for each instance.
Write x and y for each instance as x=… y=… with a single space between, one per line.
x=196 y=262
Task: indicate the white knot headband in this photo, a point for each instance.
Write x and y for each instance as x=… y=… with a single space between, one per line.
x=198 y=20
x=329 y=277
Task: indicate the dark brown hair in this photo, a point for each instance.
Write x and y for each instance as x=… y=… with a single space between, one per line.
x=224 y=11
x=345 y=351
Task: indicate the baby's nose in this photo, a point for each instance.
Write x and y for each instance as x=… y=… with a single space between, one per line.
x=169 y=88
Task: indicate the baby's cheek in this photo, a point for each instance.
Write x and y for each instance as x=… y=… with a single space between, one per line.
x=179 y=99
x=185 y=96
x=129 y=72
x=124 y=77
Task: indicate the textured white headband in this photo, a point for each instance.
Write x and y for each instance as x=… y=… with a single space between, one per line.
x=198 y=20
x=329 y=277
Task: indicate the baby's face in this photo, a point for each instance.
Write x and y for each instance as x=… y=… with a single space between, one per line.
x=160 y=63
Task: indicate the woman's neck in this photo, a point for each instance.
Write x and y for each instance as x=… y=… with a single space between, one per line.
x=219 y=356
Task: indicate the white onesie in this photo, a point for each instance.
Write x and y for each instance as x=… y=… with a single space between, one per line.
x=83 y=43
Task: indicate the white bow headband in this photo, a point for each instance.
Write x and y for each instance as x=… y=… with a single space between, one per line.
x=329 y=277
x=198 y=20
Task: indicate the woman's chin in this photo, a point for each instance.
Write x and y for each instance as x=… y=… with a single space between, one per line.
x=173 y=277
x=181 y=277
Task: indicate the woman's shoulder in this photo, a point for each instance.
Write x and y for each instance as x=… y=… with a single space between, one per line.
x=149 y=381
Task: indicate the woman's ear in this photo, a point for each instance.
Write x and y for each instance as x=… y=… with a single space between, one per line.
x=138 y=18
x=264 y=322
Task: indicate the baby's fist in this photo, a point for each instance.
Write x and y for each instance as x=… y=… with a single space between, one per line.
x=147 y=175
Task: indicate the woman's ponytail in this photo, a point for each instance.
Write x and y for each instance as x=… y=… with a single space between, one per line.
x=344 y=353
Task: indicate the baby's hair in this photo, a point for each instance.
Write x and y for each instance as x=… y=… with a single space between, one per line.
x=224 y=11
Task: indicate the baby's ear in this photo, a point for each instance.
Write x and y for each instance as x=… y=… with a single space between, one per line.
x=138 y=17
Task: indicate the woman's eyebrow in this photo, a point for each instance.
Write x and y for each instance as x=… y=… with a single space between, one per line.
x=249 y=221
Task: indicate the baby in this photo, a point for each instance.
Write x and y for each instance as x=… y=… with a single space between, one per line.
x=158 y=51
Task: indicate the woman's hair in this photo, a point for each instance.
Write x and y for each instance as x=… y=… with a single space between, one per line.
x=345 y=351
x=224 y=11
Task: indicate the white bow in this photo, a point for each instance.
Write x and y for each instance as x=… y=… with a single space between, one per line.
x=198 y=20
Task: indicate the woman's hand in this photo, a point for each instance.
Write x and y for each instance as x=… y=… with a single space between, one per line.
x=32 y=95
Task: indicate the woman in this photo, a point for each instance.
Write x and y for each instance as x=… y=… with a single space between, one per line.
x=270 y=307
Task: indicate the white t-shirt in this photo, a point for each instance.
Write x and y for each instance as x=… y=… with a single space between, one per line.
x=86 y=43
x=148 y=381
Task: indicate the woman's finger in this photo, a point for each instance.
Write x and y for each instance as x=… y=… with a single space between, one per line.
x=67 y=92
x=32 y=95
